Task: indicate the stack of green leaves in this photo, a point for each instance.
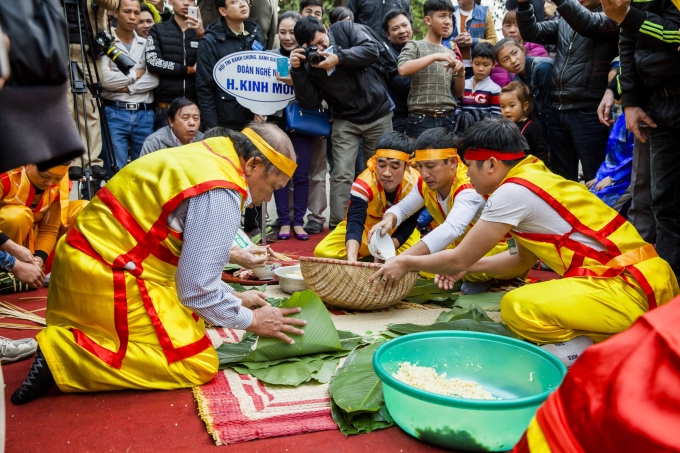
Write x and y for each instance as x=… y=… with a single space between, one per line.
x=427 y=291
x=488 y=301
x=314 y=355
x=473 y=319
x=239 y=288
x=357 y=402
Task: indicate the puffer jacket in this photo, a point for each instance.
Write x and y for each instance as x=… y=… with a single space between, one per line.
x=169 y=54
x=219 y=108
x=586 y=41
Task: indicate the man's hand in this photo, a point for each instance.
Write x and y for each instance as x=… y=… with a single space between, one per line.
x=38 y=261
x=270 y=321
x=331 y=60
x=637 y=122
x=590 y=184
x=616 y=9
x=28 y=273
x=252 y=299
x=447 y=282
x=260 y=118
x=140 y=72
x=18 y=251
x=389 y=275
x=191 y=69
x=456 y=67
x=196 y=24
x=296 y=57
x=605 y=108
x=250 y=257
x=385 y=225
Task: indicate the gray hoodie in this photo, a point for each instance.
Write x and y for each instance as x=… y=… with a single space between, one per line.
x=162 y=139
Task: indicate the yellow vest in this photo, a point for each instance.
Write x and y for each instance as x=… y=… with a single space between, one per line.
x=460 y=182
x=367 y=184
x=588 y=215
x=18 y=190
x=126 y=227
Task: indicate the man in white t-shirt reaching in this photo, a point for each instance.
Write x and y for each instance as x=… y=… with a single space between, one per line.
x=611 y=275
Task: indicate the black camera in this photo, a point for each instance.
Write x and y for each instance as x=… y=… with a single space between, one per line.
x=104 y=46
x=312 y=55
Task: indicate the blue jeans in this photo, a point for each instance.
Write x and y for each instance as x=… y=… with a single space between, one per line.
x=399 y=123
x=576 y=135
x=665 y=177
x=417 y=123
x=303 y=149
x=129 y=129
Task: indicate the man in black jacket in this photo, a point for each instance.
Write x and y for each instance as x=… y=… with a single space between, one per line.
x=397 y=28
x=650 y=63
x=371 y=12
x=233 y=32
x=171 y=54
x=587 y=42
x=360 y=106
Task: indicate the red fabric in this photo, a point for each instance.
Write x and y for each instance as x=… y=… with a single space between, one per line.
x=623 y=394
x=484 y=154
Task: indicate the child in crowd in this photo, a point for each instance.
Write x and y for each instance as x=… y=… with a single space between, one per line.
x=481 y=93
x=437 y=76
x=516 y=103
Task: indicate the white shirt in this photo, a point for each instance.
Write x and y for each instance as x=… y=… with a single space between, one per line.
x=141 y=90
x=467 y=207
x=465 y=16
x=531 y=215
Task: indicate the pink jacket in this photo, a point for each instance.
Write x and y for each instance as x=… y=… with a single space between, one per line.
x=503 y=77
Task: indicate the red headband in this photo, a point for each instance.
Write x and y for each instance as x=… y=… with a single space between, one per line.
x=484 y=154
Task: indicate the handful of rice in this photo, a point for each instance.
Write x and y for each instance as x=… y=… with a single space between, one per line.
x=426 y=378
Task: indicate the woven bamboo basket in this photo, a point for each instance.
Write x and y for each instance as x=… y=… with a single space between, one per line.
x=345 y=285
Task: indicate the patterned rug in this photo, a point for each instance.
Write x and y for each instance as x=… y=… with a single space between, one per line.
x=238 y=408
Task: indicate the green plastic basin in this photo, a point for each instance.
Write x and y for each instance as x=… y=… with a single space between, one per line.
x=519 y=373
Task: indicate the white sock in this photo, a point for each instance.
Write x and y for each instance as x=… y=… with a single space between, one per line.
x=570 y=350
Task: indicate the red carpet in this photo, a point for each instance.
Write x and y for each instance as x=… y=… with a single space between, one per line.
x=168 y=421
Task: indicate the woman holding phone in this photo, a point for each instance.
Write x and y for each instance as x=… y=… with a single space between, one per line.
x=303 y=145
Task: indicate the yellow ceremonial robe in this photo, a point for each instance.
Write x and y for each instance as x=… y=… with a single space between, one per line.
x=602 y=292
x=113 y=317
x=367 y=186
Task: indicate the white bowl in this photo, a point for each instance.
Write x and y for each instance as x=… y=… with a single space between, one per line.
x=290 y=283
x=266 y=272
x=382 y=247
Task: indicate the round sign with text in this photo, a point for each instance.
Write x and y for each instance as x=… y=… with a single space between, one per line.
x=251 y=78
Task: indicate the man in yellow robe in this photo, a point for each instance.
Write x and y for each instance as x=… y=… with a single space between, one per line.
x=611 y=276
x=135 y=277
x=34 y=211
x=446 y=192
x=387 y=180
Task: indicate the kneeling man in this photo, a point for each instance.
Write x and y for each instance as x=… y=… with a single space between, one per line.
x=610 y=275
x=387 y=180
x=140 y=270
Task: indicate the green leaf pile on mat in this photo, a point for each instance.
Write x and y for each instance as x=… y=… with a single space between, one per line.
x=473 y=319
x=315 y=355
x=427 y=291
x=357 y=402
x=489 y=301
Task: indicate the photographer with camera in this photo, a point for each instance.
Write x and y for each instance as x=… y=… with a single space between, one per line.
x=128 y=93
x=346 y=79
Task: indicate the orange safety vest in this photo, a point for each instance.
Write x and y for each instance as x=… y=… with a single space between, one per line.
x=368 y=185
x=460 y=182
x=126 y=227
x=626 y=254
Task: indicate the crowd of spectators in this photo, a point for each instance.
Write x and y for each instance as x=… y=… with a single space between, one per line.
x=554 y=73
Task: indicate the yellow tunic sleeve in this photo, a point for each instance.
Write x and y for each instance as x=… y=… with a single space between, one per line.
x=48 y=229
